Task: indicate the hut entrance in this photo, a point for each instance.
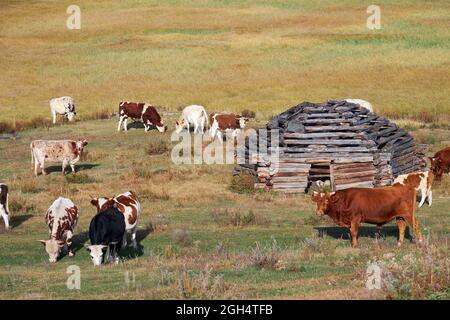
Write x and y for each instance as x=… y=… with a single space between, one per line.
x=319 y=172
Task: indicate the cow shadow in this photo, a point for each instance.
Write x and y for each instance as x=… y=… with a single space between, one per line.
x=78 y=168
x=16 y=221
x=135 y=125
x=367 y=232
x=79 y=240
x=129 y=252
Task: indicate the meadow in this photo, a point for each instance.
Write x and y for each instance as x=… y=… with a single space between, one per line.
x=199 y=238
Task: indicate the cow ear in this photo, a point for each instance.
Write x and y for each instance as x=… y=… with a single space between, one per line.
x=331 y=194
x=315 y=193
x=61 y=243
x=87 y=246
x=85 y=143
x=42 y=241
x=94 y=202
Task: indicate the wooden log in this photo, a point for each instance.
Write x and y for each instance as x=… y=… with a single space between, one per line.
x=354 y=185
x=354 y=180
x=333 y=128
x=287 y=185
x=323 y=149
x=313 y=135
x=277 y=179
x=324 y=142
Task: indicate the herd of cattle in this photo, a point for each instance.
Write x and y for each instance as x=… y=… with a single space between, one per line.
x=119 y=215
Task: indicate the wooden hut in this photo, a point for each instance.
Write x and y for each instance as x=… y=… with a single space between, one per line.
x=336 y=141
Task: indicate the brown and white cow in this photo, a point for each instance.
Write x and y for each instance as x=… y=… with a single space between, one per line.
x=142 y=111
x=422 y=181
x=129 y=205
x=65 y=151
x=4 y=209
x=440 y=162
x=61 y=219
x=351 y=207
x=221 y=123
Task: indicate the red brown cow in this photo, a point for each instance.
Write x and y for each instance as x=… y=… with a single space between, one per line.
x=351 y=207
x=143 y=111
x=440 y=162
x=220 y=123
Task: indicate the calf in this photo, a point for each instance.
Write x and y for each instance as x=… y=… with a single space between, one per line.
x=4 y=209
x=142 y=111
x=129 y=205
x=440 y=162
x=362 y=103
x=64 y=106
x=65 y=151
x=220 y=123
x=61 y=219
x=351 y=207
x=419 y=181
x=107 y=229
x=193 y=114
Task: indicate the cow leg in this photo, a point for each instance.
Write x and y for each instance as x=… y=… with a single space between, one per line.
x=124 y=240
x=430 y=197
x=5 y=216
x=64 y=165
x=423 y=196
x=220 y=136
x=54 y=116
x=195 y=127
x=119 y=127
x=72 y=166
x=133 y=238
x=36 y=166
x=412 y=221
x=69 y=243
x=125 y=125
x=354 y=227
x=401 y=223
x=44 y=172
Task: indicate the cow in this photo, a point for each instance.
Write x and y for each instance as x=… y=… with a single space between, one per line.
x=221 y=123
x=4 y=208
x=129 y=205
x=107 y=229
x=64 y=106
x=362 y=103
x=193 y=114
x=65 y=151
x=142 y=111
x=440 y=162
x=419 y=181
x=351 y=207
x=61 y=219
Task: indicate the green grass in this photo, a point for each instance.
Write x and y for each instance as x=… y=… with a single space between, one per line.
x=307 y=267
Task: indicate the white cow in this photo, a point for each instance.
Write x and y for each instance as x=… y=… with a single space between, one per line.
x=422 y=181
x=362 y=103
x=193 y=114
x=64 y=106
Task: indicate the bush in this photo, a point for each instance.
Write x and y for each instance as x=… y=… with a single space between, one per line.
x=79 y=178
x=232 y=217
x=265 y=257
x=248 y=114
x=182 y=237
x=29 y=186
x=243 y=183
x=157 y=147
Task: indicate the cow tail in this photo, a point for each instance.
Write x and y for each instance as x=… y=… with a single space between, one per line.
x=32 y=155
x=7 y=201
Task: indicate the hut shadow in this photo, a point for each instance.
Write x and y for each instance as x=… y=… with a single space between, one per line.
x=16 y=221
x=78 y=168
x=367 y=232
x=129 y=252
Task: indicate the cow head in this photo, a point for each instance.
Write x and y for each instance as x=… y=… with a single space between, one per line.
x=80 y=145
x=242 y=122
x=71 y=116
x=97 y=253
x=322 y=199
x=179 y=126
x=436 y=166
x=160 y=126
x=53 y=248
x=102 y=203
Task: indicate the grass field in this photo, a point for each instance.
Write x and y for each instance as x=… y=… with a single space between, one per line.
x=198 y=239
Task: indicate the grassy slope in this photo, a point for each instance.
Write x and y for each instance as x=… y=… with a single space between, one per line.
x=261 y=55
x=192 y=199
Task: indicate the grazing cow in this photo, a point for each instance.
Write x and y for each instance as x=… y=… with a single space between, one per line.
x=220 y=123
x=107 y=229
x=195 y=115
x=440 y=162
x=362 y=103
x=64 y=106
x=65 y=151
x=129 y=205
x=351 y=207
x=419 y=181
x=4 y=209
x=61 y=219
x=142 y=111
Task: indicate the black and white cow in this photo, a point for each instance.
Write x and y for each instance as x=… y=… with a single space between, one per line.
x=107 y=229
x=4 y=210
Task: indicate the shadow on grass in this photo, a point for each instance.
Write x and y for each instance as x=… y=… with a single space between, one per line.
x=368 y=232
x=78 y=168
x=18 y=220
x=139 y=125
x=129 y=252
